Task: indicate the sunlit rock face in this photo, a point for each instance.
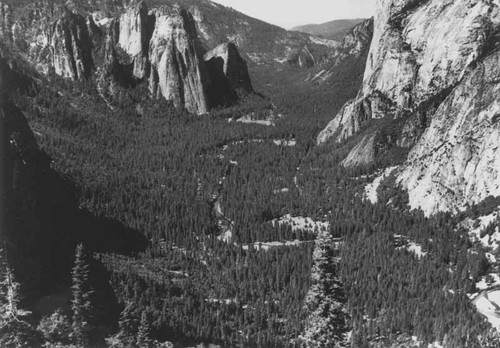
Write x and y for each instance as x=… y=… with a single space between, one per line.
x=419 y=49
x=178 y=72
x=133 y=37
x=457 y=160
x=435 y=64
x=134 y=45
x=358 y=39
x=363 y=153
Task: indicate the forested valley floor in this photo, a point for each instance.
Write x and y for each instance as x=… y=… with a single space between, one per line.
x=253 y=235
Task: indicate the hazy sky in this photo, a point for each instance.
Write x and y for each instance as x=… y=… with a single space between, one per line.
x=289 y=13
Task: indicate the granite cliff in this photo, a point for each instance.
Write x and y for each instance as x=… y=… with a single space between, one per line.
x=229 y=74
x=433 y=70
x=158 y=45
x=178 y=72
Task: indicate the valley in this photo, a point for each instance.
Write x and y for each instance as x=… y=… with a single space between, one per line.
x=178 y=174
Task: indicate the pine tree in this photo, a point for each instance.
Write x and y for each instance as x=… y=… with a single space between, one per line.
x=9 y=291
x=56 y=328
x=129 y=325
x=144 y=332
x=14 y=331
x=81 y=304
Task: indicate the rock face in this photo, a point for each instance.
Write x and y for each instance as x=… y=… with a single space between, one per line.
x=159 y=46
x=357 y=40
x=71 y=47
x=457 y=160
x=434 y=69
x=419 y=49
x=133 y=37
x=228 y=73
x=178 y=72
x=363 y=153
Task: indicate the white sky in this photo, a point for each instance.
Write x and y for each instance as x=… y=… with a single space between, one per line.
x=289 y=13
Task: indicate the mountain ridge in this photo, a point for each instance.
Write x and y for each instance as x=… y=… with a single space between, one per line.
x=334 y=30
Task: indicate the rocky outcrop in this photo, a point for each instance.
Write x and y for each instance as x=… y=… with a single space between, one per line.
x=162 y=45
x=357 y=40
x=457 y=160
x=71 y=47
x=228 y=73
x=363 y=153
x=178 y=72
x=158 y=46
x=353 y=114
x=419 y=49
x=132 y=34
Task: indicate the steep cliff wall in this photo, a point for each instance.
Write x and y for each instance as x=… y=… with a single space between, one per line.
x=134 y=35
x=159 y=45
x=433 y=68
x=419 y=49
x=178 y=72
x=457 y=160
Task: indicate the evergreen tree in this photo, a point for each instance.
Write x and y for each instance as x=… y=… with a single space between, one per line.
x=128 y=325
x=15 y=332
x=81 y=303
x=144 y=332
x=56 y=328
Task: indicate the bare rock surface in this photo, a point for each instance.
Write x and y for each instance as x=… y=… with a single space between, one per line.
x=178 y=72
x=457 y=160
x=363 y=153
x=133 y=37
x=435 y=65
x=419 y=49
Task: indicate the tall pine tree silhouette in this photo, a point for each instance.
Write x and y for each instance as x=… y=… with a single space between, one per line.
x=15 y=331
x=81 y=303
